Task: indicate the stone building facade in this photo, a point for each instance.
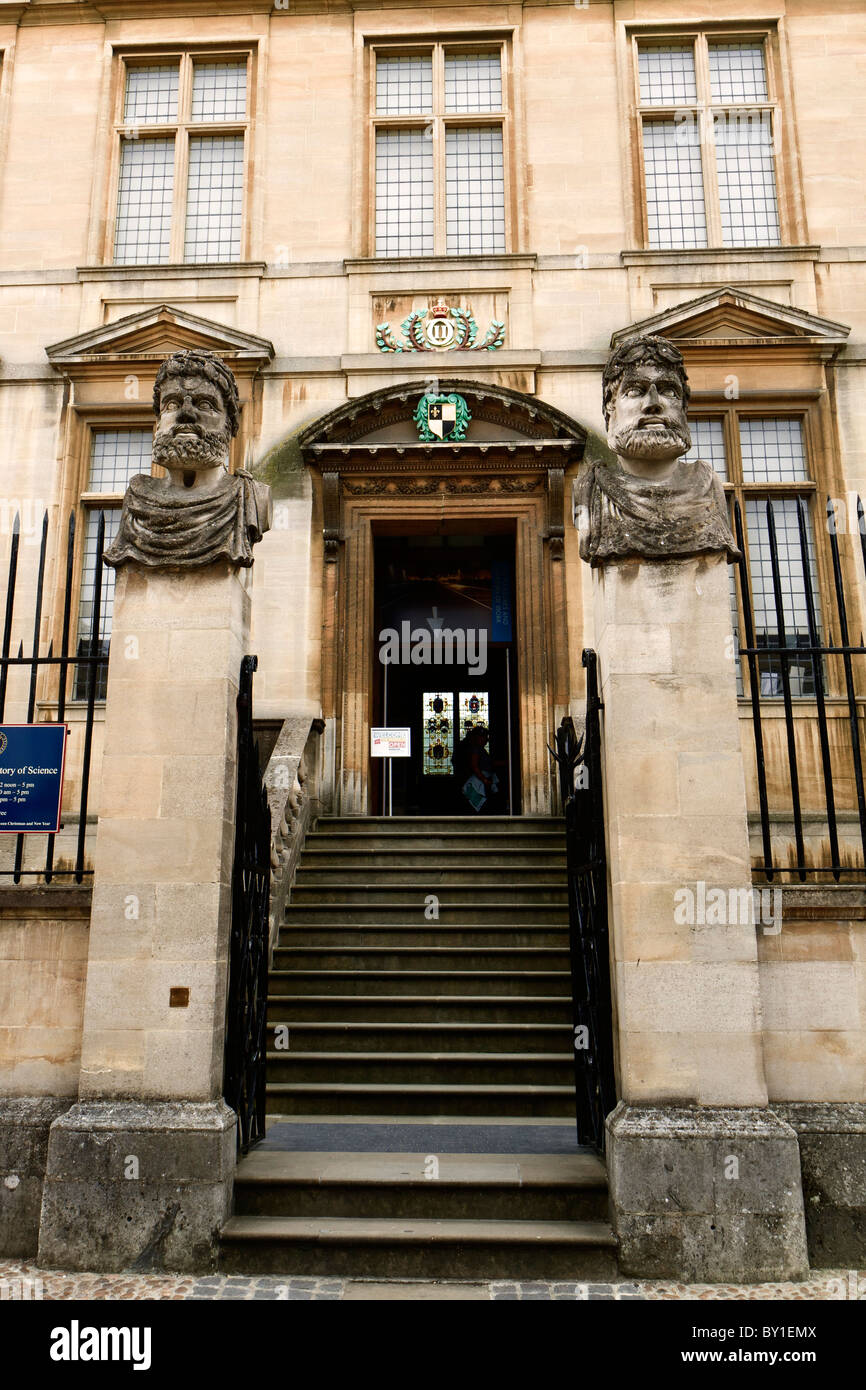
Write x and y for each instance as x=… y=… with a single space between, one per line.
x=360 y=207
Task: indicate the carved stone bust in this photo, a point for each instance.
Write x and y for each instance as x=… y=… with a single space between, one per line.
x=652 y=503
x=200 y=513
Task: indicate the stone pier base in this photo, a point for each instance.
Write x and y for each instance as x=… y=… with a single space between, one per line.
x=133 y=1185
x=25 y=1123
x=706 y=1195
x=833 y=1160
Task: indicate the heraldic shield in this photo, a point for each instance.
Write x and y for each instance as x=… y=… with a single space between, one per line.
x=441 y=418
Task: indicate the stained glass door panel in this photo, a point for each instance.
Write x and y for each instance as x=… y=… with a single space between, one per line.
x=438 y=721
x=474 y=709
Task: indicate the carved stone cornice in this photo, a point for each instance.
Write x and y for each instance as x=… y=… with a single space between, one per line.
x=515 y=422
x=501 y=455
x=505 y=485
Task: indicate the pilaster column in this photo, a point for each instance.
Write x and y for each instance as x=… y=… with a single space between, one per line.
x=141 y=1168
x=705 y=1179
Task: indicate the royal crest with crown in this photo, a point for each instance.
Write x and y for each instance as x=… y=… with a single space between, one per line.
x=440 y=329
x=442 y=417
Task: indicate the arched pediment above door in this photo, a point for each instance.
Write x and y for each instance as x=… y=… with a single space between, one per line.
x=383 y=444
x=385 y=420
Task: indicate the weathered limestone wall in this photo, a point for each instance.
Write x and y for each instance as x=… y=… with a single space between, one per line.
x=43 y=963
x=813 y=997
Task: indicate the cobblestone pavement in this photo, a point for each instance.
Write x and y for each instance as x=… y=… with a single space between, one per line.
x=23 y=1281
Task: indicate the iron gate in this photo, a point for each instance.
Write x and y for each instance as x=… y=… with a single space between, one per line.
x=580 y=782
x=246 y=1038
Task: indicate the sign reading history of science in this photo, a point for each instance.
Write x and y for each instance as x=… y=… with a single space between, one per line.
x=32 y=759
x=390 y=743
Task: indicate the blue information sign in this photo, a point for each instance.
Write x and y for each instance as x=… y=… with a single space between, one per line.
x=32 y=758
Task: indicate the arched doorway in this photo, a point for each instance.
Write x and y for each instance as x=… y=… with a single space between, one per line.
x=451 y=505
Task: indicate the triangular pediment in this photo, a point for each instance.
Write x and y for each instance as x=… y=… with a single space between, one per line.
x=729 y=315
x=154 y=333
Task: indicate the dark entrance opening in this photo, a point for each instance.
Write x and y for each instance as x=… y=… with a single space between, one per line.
x=445 y=660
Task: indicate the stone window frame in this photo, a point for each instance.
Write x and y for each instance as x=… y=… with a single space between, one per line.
x=185 y=55
x=812 y=489
x=501 y=40
x=83 y=419
x=780 y=101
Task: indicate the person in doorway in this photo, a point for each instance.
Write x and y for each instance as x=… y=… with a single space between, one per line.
x=481 y=781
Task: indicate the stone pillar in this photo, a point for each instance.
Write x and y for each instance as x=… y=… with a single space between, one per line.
x=705 y=1180
x=140 y=1170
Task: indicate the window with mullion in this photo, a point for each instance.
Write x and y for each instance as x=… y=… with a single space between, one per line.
x=439 y=179
x=182 y=130
x=763 y=460
x=116 y=455
x=707 y=141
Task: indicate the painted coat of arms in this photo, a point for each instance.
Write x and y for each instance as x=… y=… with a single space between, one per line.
x=441 y=418
x=439 y=329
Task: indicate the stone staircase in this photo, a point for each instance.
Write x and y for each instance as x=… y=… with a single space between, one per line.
x=391 y=1014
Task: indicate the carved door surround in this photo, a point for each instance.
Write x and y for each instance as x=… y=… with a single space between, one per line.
x=508 y=474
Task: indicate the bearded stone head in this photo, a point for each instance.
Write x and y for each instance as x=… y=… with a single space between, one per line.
x=646 y=393
x=195 y=399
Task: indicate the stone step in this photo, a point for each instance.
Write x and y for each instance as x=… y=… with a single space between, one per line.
x=421 y=1069
x=317 y=856
x=431 y=983
x=437 y=957
x=440 y=843
x=403 y=1098
x=373 y=912
x=508 y=826
x=410 y=894
x=428 y=934
x=306 y=1036
x=400 y=1248
x=404 y=1008
x=553 y=1187
x=429 y=876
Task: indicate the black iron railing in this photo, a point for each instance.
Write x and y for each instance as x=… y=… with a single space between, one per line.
x=87 y=671
x=803 y=669
x=246 y=1013
x=580 y=781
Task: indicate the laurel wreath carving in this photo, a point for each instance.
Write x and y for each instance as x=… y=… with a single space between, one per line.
x=465 y=338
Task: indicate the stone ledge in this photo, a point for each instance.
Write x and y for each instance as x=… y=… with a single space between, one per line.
x=192 y=270
x=824 y=1117
x=715 y=255
x=646 y=1122
x=46 y=899
x=398 y=265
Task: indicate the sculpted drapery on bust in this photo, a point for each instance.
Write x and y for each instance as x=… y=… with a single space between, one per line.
x=651 y=504
x=200 y=513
